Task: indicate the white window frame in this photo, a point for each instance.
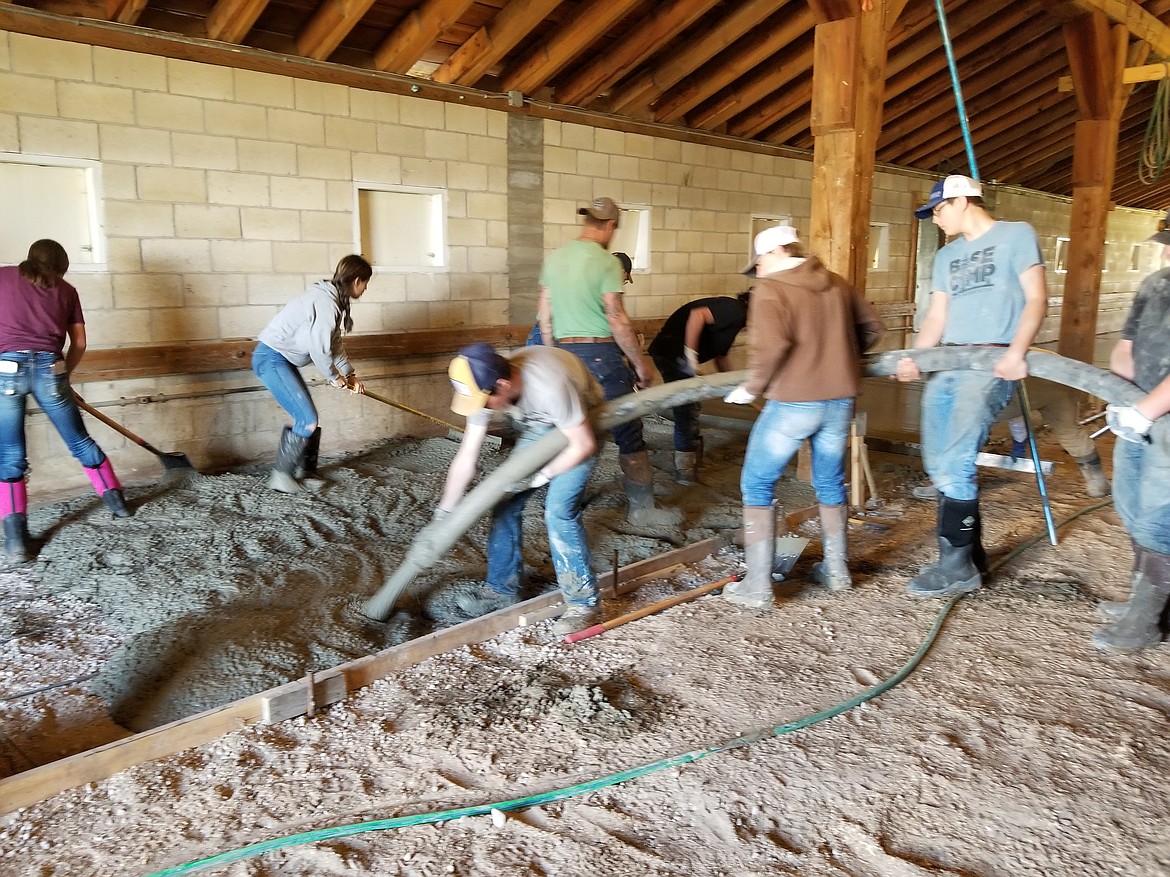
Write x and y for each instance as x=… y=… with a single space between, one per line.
x=1136 y=259
x=90 y=258
x=635 y=217
x=1060 y=257
x=879 y=246
x=437 y=219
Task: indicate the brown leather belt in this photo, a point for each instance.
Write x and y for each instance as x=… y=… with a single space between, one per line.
x=580 y=339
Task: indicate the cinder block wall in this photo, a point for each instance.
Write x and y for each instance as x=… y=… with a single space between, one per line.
x=227 y=191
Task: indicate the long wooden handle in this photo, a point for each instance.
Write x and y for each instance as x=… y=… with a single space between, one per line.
x=112 y=424
x=410 y=410
x=649 y=610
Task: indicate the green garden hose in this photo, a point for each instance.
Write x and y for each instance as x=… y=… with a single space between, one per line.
x=612 y=779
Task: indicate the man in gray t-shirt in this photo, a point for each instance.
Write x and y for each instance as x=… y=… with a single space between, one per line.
x=988 y=287
x=541 y=388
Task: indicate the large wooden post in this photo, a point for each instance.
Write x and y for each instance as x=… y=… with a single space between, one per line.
x=849 y=68
x=1097 y=55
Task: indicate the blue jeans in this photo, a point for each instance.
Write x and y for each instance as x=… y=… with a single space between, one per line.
x=608 y=365
x=958 y=409
x=777 y=435
x=284 y=381
x=566 y=536
x=687 y=435
x=1141 y=492
x=35 y=373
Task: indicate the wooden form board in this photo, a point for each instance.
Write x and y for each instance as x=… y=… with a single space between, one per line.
x=291 y=700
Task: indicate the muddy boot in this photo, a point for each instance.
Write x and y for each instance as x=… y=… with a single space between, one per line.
x=576 y=618
x=754 y=590
x=833 y=571
x=483 y=600
x=1096 y=484
x=1141 y=625
x=686 y=467
x=306 y=472
x=106 y=485
x=787 y=552
x=14 y=511
x=288 y=458
x=638 y=481
x=955 y=572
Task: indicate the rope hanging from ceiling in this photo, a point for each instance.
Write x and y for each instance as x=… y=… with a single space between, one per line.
x=1155 y=151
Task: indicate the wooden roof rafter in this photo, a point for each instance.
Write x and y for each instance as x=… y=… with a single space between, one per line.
x=330 y=24
x=492 y=42
x=416 y=33
x=230 y=20
x=664 y=23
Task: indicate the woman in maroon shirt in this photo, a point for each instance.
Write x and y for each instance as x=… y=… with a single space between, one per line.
x=39 y=311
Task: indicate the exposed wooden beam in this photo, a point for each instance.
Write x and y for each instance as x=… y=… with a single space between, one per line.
x=574 y=36
x=493 y=41
x=746 y=95
x=416 y=33
x=1130 y=76
x=732 y=66
x=330 y=24
x=648 y=87
x=638 y=44
x=129 y=11
x=1137 y=20
x=230 y=20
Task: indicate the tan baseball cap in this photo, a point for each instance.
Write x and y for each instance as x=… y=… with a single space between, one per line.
x=602 y=209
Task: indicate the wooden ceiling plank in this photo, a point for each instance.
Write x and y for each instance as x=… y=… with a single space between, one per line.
x=648 y=87
x=330 y=24
x=416 y=33
x=746 y=95
x=639 y=43
x=1140 y=23
x=706 y=82
x=488 y=46
x=230 y=20
x=130 y=12
x=765 y=114
x=574 y=36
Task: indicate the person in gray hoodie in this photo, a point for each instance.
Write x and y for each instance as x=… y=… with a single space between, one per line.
x=309 y=329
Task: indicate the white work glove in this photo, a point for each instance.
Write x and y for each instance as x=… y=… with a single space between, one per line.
x=532 y=482
x=1126 y=422
x=739 y=396
x=692 y=357
x=353 y=384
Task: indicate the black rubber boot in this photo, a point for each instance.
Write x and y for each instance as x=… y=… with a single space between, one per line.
x=115 y=501
x=686 y=467
x=1141 y=625
x=288 y=458
x=306 y=472
x=16 y=538
x=754 y=590
x=958 y=534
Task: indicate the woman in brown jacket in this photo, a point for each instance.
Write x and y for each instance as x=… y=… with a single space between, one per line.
x=807 y=329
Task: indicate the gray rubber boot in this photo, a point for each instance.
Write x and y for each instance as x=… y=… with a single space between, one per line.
x=686 y=467
x=1096 y=484
x=483 y=600
x=925 y=491
x=288 y=457
x=833 y=571
x=754 y=590
x=1141 y=625
x=16 y=538
x=638 y=481
x=1114 y=610
x=958 y=534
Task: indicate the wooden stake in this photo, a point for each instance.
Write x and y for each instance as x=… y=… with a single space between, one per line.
x=649 y=610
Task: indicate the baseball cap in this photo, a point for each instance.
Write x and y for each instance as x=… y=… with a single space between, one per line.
x=602 y=209
x=1162 y=235
x=627 y=264
x=473 y=373
x=949 y=187
x=768 y=240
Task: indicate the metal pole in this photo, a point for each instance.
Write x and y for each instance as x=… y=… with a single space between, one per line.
x=1026 y=411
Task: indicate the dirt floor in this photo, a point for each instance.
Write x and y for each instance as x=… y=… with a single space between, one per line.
x=1012 y=748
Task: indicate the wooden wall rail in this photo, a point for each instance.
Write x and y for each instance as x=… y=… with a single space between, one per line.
x=204 y=357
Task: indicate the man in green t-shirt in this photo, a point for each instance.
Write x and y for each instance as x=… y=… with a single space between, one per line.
x=581 y=310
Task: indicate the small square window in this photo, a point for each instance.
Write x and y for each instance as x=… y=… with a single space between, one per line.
x=401 y=228
x=46 y=197
x=879 y=246
x=633 y=236
x=1060 y=262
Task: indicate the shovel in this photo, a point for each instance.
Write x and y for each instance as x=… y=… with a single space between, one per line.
x=172 y=460
x=788 y=551
x=454 y=432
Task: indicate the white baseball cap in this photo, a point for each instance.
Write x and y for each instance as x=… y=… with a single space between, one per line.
x=768 y=240
x=947 y=188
